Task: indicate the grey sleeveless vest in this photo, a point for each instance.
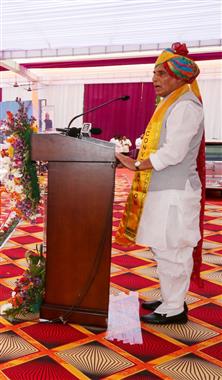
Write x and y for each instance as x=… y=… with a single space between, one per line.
x=175 y=176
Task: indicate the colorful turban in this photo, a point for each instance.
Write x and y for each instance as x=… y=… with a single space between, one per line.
x=177 y=63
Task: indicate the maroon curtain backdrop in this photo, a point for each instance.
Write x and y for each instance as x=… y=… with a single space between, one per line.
x=128 y=118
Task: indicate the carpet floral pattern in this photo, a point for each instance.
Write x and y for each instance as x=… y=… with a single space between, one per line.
x=30 y=349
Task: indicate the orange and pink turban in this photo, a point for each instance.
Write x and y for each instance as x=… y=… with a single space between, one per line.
x=177 y=63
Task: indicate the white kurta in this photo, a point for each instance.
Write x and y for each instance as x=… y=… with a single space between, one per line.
x=170 y=219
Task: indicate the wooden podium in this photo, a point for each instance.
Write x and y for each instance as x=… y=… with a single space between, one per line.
x=81 y=176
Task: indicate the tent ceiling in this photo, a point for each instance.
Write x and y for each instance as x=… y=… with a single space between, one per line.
x=57 y=24
x=40 y=30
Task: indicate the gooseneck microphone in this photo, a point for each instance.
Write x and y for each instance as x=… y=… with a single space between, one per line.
x=76 y=132
x=126 y=97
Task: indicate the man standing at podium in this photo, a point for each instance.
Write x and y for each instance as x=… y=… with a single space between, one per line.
x=164 y=205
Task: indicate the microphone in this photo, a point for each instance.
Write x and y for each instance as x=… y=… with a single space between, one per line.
x=125 y=97
x=96 y=131
x=73 y=132
x=76 y=132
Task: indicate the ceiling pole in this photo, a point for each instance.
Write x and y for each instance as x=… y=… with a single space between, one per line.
x=19 y=69
x=22 y=71
x=35 y=103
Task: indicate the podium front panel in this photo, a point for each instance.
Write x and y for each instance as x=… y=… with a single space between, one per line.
x=79 y=236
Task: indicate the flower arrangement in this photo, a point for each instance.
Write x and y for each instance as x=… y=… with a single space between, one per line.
x=21 y=180
x=30 y=288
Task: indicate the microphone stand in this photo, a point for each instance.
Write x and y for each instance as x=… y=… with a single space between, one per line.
x=66 y=130
x=95 y=108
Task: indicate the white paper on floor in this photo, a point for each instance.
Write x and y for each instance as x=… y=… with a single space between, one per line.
x=123 y=318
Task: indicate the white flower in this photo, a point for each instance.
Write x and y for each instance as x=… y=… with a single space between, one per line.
x=19 y=189
x=10 y=186
x=16 y=173
x=5 y=307
x=3 y=174
x=6 y=161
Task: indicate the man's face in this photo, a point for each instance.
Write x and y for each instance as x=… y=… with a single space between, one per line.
x=164 y=83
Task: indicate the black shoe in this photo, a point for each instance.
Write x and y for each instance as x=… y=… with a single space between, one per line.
x=152 y=305
x=162 y=319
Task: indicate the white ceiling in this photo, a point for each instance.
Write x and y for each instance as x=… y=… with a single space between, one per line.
x=56 y=24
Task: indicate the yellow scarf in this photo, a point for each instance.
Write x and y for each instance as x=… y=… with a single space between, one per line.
x=127 y=230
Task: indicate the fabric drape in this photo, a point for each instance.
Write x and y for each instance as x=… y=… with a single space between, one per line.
x=128 y=118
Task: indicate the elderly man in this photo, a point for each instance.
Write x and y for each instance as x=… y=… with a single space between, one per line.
x=164 y=205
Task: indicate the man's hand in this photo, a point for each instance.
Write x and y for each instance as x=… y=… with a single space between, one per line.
x=126 y=161
x=129 y=162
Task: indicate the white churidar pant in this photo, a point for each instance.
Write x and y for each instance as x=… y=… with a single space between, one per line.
x=169 y=225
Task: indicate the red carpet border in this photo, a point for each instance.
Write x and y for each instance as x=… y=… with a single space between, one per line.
x=30 y=350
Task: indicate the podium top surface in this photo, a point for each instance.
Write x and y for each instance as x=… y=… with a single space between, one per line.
x=56 y=147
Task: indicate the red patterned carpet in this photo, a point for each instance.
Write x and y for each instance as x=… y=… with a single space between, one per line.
x=30 y=350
